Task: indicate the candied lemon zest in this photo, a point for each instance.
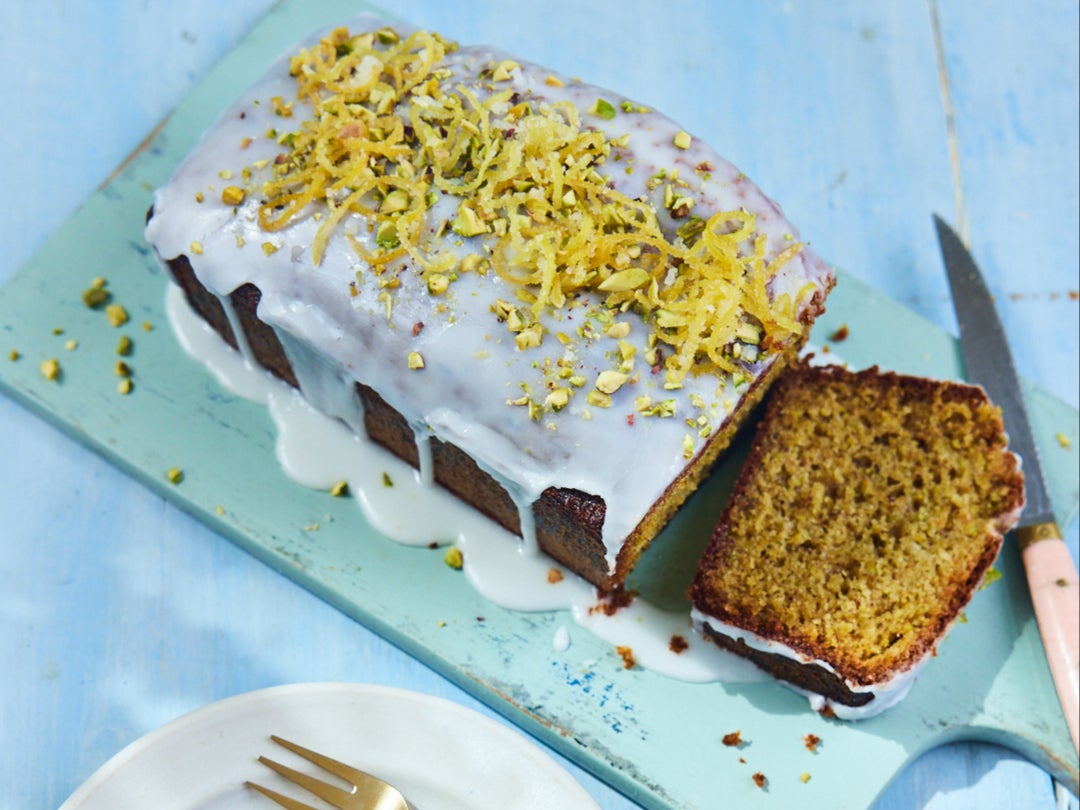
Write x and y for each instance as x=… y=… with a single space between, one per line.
x=385 y=120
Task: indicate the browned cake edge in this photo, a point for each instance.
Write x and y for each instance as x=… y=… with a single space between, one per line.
x=810 y=676
x=568 y=522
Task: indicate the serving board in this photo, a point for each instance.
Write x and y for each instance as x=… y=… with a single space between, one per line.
x=656 y=739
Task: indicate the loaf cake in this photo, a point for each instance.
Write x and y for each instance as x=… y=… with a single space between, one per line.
x=547 y=298
x=870 y=507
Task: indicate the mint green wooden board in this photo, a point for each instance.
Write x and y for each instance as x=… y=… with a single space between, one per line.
x=656 y=739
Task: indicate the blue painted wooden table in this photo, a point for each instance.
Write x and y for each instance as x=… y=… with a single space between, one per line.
x=118 y=612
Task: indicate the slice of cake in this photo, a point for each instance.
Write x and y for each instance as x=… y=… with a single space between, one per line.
x=547 y=298
x=869 y=509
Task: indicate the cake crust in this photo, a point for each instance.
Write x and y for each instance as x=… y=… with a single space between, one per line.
x=868 y=512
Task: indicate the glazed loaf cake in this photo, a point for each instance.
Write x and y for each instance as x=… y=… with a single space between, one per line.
x=545 y=297
x=869 y=510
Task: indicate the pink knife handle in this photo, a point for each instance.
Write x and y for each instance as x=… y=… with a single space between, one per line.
x=1055 y=595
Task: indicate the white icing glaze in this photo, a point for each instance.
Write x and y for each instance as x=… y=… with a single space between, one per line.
x=472 y=367
x=886 y=694
x=318 y=451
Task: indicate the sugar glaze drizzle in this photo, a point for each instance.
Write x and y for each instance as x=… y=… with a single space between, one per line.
x=317 y=450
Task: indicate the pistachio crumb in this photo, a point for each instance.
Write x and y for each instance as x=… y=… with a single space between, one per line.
x=805 y=777
x=147 y=326
x=14 y=355
x=175 y=475
x=116 y=314
x=454 y=558
x=339 y=489
x=124 y=386
x=416 y=361
x=269 y=248
x=122 y=369
x=387 y=480
x=1064 y=440
x=196 y=247
x=683 y=139
x=232 y=195
x=71 y=345
x=123 y=347
x=219 y=509
x=50 y=369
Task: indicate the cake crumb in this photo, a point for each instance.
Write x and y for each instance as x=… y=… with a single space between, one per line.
x=554 y=575
x=678 y=644
x=732 y=739
x=811 y=741
x=759 y=779
x=613 y=601
x=454 y=558
x=627 y=655
x=841 y=334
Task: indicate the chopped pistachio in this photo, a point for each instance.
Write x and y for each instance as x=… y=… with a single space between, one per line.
x=95 y=297
x=454 y=558
x=269 y=248
x=416 y=361
x=683 y=140
x=196 y=248
x=624 y=280
x=503 y=69
x=387 y=235
x=603 y=109
x=175 y=475
x=467 y=223
x=529 y=337
x=232 y=195
x=147 y=326
x=395 y=201
x=123 y=347
x=619 y=330
x=554 y=81
x=558 y=398
x=124 y=386
x=98 y=283
x=599 y=399
x=116 y=315
x=339 y=489
x=688 y=446
x=50 y=369
x=122 y=369
x=14 y=355
x=71 y=345
x=437 y=283
x=609 y=382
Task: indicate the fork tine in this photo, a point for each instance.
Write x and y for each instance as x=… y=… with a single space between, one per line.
x=349 y=774
x=284 y=801
x=323 y=790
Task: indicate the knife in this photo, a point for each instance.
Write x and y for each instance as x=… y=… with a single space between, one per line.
x=1051 y=572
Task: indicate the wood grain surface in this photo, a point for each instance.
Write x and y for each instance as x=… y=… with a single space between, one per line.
x=118 y=612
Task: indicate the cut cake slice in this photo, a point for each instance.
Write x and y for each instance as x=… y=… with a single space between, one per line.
x=869 y=510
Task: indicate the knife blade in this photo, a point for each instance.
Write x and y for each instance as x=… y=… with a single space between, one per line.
x=1051 y=572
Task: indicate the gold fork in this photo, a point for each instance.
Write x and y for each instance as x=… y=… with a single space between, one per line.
x=368 y=792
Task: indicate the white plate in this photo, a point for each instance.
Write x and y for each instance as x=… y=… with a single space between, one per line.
x=439 y=754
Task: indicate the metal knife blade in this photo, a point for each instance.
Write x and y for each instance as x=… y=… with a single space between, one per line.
x=1051 y=572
